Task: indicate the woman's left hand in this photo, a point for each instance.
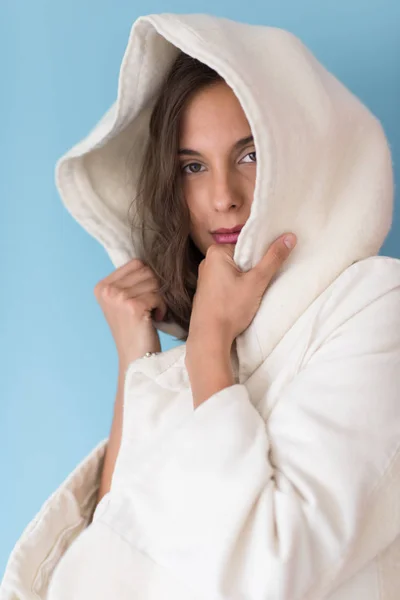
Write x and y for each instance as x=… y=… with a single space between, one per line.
x=227 y=299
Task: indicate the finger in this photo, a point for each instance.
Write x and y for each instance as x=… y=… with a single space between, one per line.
x=131 y=280
x=134 y=278
x=152 y=301
x=140 y=288
x=276 y=255
x=131 y=266
x=229 y=250
x=149 y=289
x=220 y=250
x=139 y=283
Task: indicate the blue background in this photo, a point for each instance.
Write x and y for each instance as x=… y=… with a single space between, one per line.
x=59 y=75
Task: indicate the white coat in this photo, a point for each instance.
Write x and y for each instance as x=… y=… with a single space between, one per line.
x=285 y=485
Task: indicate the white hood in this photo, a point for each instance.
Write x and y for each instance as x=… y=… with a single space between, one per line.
x=324 y=167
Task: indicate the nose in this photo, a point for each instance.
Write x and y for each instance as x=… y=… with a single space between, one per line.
x=225 y=193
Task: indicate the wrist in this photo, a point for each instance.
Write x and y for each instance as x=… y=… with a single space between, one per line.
x=207 y=354
x=208 y=362
x=209 y=334
x=204 y=343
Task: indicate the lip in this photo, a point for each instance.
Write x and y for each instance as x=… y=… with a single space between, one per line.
x=226 y=238
x=235 y=229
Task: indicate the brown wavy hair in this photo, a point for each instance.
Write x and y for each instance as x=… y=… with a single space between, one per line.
x=163 y=215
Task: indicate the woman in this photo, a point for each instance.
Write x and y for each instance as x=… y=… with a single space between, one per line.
x=261 y=458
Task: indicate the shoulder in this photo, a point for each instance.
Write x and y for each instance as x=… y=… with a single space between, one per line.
x=364 y=301
x=366 y=280
x=372 y=281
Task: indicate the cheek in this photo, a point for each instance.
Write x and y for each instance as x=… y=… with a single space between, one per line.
x=198 y=226
x=249 y=187
x=195 y=202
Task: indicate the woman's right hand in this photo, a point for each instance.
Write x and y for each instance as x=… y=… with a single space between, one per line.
x=127 y=296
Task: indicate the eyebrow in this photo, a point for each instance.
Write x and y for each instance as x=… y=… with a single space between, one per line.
x=239 y=144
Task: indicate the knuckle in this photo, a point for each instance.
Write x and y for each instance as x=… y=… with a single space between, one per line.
x=101 y=290
x=120 y=295
x=136 y=262
x=107 y=290
x=110 y=292
x=147 y=271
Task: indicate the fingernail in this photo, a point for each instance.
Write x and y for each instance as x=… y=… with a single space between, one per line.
x=289 y=241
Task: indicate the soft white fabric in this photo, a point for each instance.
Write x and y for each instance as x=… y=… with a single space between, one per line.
x=103 y=566
x=285 y=485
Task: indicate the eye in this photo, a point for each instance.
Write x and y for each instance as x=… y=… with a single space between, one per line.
x=190 y=172
x=250 y=154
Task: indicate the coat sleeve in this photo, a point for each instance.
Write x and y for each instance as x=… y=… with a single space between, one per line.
x=290 y=508
x=62 y=517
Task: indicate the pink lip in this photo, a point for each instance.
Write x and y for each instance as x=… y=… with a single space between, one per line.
x=232 y=230
x=226 y=238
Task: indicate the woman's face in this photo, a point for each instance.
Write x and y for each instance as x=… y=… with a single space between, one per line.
x=217 y=162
